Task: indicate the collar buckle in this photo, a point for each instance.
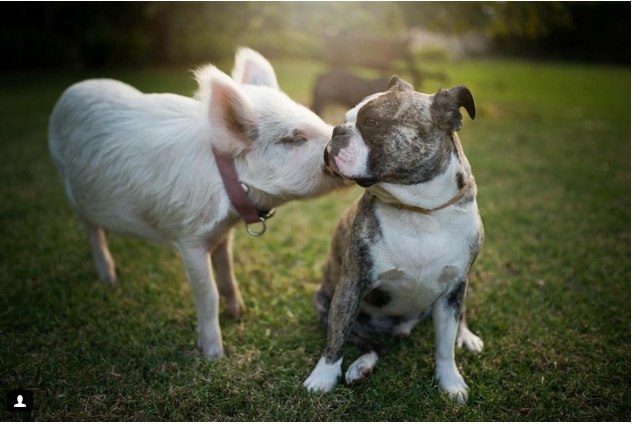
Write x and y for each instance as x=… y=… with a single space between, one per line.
x=237 y=192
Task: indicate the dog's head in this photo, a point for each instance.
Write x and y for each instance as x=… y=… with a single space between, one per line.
x=399 y=136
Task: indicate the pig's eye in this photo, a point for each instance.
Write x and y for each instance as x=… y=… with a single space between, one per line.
x=368 y=122
x=297 y=137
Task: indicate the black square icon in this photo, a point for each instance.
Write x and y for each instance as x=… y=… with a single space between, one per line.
x=19 y=400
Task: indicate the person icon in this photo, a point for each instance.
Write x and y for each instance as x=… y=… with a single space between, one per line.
x=24 y=400
x=19 y=404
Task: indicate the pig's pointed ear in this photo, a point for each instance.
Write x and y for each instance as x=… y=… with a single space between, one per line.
x=446 y=104
x=231 y=115
x=252 y=68
x=396 y=84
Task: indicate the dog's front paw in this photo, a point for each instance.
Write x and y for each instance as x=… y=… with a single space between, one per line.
x=458 y=393
x=211 y=351
x=361 y=368
x=324 y=376
x=452 y=383
x=465 y=338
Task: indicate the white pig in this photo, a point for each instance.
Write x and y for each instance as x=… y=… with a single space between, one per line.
x=143 y=165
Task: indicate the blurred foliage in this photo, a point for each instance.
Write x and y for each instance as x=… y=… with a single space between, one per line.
x=87 y=34
x=528 y=19
x=496 y=19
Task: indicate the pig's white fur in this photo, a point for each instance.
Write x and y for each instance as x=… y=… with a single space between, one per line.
x=142 y=164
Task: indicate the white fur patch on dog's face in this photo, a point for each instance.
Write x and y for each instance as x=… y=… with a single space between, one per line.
x=350 y=162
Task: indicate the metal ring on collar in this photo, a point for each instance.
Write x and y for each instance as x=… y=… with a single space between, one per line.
x=256 y=233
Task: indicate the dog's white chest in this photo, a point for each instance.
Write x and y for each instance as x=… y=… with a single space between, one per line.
x=420 y=259
x=402 y=295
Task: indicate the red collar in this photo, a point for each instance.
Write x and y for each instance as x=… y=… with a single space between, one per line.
x=237 y=192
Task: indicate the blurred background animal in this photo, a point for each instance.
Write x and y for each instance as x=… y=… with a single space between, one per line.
x=341 y=87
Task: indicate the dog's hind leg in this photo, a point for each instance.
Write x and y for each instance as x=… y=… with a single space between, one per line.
x=466 y=338
x=360 y=336
x=100 y=252
x=222 y=259
x=361 y=368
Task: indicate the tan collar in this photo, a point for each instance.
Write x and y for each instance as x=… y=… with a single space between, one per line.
x=390 y=200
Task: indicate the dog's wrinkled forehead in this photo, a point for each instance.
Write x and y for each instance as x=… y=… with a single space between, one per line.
x=398 y=125
x=407 y=108
x=350 y=115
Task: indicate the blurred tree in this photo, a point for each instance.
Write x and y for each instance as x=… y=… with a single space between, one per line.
x=298 y=27
x=87 y=34
x=496 y=19
x=72 y=34
x=562 y=30
x=529 y=20
x=197 y=31
x=586 y=31
x=447 y=17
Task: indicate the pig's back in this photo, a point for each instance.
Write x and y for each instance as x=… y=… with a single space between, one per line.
x=106 y=110
x=127 y=159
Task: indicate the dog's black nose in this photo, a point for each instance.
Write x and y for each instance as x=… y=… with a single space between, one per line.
x=365 y=182
x=339 y=130
x=326 y=157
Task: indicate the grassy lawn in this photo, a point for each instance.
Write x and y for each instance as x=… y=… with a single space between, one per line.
x=550 y=295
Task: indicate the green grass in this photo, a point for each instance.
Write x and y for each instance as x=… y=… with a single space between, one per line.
x=550 y=294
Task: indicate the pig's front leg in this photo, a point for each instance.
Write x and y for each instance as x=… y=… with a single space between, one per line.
x=222 y=259
x=205 y=292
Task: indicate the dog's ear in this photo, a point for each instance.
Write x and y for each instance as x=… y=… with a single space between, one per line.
x=396 y=84
x=252 y=68
x=446 y=104
x=230 y=113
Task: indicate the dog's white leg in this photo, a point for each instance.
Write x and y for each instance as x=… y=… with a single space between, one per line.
x=361 y=368
x=100 y=253
x=200 y=276
x=222 y=259
x=446 y=312
x=343 y=312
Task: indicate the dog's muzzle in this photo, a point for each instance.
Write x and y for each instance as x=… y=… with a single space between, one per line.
x=365 y=182
x=340 y=140
x=326 y=158
x=335 y=145
x=330 y=167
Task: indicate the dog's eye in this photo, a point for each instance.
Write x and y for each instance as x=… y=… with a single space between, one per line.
x=368 y=122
